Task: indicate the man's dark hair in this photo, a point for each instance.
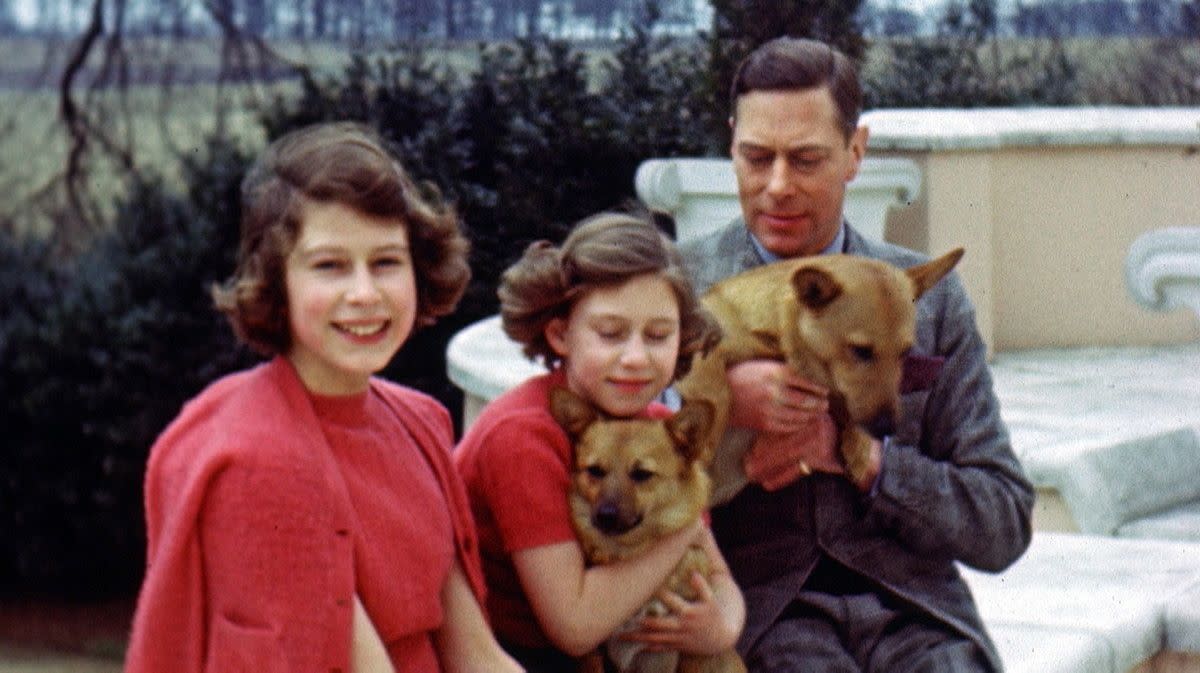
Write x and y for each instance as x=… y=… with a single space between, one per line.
x=790 y=63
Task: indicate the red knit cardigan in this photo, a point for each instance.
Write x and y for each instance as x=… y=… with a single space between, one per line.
x=264 y=416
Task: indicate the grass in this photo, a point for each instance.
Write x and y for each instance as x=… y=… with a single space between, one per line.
x=153 y=126
x=1108 y=71
x=88 y=636
x=157 y=127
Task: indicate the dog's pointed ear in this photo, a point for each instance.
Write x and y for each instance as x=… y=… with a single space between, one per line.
x=689 y=426
x=815 y=288
x=926 y=275
x=571 y=411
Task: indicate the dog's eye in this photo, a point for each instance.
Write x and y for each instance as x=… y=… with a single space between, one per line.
x=596 y=472
x=640 y=475
x=863 y=353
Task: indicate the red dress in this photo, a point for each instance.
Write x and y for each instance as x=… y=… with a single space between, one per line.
x=268 y=509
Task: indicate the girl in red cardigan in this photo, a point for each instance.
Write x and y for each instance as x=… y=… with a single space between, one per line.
x=304 y=515
x=613 y=314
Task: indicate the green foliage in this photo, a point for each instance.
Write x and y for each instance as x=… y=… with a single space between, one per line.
x=948 y=72
x=1147 y=72
x=100 y=354
x=964 y=66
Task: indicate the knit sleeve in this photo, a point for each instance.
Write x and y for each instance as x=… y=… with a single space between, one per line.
x=525 y=478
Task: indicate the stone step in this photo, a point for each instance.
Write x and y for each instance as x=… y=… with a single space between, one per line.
x=1093 y=604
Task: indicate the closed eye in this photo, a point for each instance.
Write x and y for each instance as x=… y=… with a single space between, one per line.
x=640 y=475
x=328 y=264
x=806 y=162
x=388 y=262
x=656 y=337
x=596 y=471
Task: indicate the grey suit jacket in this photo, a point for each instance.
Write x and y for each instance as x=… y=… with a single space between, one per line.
x=951 y=488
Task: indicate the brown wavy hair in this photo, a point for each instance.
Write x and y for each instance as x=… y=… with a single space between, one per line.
x=346 y=163
x=603 y=250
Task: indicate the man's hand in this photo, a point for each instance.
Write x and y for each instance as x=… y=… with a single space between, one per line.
x=791 y=416
x=796 y=435
x=777 y=459
x=768 y=396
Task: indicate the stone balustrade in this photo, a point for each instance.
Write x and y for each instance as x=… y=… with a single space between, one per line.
x=1046 y=202
x=1162 y=269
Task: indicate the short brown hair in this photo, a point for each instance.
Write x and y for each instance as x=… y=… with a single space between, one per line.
x=344 y=163
x=601 y=251
x=790 y=63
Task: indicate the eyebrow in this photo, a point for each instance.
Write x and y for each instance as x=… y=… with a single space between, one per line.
x=807 y=147
x=327 y=248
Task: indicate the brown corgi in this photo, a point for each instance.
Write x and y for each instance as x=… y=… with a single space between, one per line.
x=843 y=321
x=633 y=482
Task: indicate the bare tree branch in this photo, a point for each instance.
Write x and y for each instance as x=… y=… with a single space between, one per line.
x=73 y=118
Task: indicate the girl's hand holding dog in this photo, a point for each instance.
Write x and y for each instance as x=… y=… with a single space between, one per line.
x=708 y=625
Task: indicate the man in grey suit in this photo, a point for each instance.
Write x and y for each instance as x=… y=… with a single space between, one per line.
x=842 y=576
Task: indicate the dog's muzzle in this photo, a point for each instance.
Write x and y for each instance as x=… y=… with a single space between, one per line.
x=881 y=426
x=608 y=519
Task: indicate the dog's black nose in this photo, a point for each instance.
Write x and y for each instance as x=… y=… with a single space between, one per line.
x=608 y=519
x=882 y=425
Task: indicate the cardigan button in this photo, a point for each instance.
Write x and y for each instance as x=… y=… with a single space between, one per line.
x=343 y=602
x=342 y=532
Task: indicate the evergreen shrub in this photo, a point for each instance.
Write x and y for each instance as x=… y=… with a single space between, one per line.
x=99 y=354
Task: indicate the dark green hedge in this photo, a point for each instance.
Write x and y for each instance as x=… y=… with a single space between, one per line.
x=95 y=356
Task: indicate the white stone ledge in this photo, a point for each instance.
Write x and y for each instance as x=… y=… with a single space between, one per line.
x=1178 y=522
x=1130 y=488
x=1183 y=621
x=483 y=362
x=995 y=128
x=1112 y=430
x=1106 y=605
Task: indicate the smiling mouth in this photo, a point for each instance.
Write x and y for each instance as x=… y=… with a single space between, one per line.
x=363 y=330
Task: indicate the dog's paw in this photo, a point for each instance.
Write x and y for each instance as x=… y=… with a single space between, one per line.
x=856 y=453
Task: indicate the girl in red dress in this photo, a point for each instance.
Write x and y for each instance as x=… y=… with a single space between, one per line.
x=304 y=515
x=612 y=313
